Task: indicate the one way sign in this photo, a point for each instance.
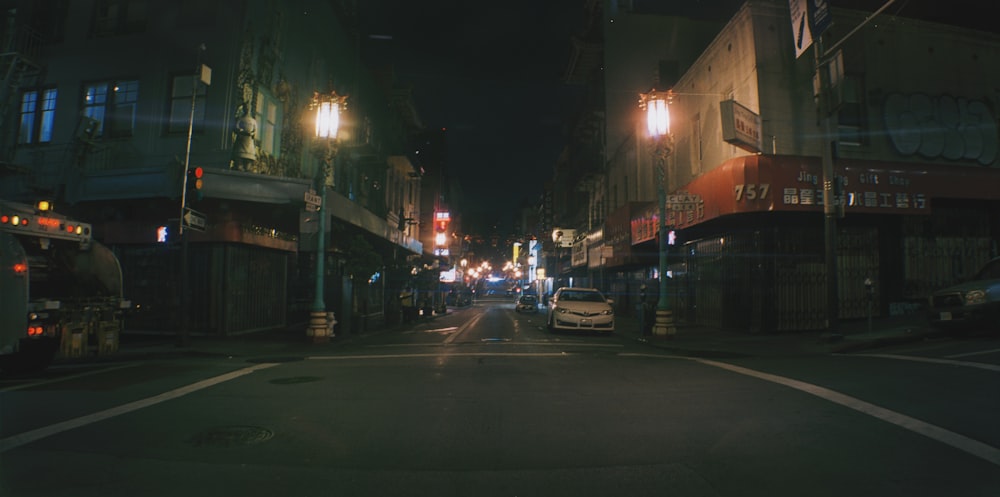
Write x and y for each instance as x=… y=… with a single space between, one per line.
x=193 y=219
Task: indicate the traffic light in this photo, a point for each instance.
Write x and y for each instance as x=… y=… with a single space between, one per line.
x=195 y=182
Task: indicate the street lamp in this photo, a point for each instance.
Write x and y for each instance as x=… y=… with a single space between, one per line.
x=327 y=107
x=658 y=123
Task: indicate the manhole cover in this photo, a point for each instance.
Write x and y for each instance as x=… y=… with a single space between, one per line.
x=231 y=436
x=295 y=379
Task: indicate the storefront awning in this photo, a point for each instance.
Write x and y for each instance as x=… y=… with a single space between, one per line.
x=760 y=183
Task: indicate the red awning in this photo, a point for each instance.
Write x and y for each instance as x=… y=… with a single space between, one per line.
x=759 y=183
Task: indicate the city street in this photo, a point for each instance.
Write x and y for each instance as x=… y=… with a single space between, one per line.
x=485 y=401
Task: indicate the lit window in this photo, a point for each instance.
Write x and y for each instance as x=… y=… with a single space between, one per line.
x=95 y=102
x=112 y=105
x=38 y=109
x=29 y=102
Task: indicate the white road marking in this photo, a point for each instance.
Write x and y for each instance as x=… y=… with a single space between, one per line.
x=527 y=343
x=46 y=431
x=967 y=364
x=439 y=354
x=468 y=324
x=970 y=354
x=441 y=330
x=960 y=442
x=436 y=330
x=534 y=343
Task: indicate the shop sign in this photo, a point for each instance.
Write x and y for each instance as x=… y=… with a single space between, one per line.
x=741 y=126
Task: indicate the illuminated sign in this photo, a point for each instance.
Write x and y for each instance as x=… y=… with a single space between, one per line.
x=740 y=126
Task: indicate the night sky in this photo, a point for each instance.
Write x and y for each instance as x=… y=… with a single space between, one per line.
x=491 y=74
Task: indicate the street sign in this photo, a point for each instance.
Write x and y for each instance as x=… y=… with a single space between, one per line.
x=683 y=202
x=312 y=199
x=193 y=219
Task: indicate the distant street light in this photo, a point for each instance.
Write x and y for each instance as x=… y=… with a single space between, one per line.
x=658 y=123
x=327 y=107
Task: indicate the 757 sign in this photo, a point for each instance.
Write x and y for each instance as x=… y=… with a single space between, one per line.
x=752 y=191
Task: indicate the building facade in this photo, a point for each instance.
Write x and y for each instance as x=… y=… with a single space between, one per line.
x=113 y=102
x=912 y=135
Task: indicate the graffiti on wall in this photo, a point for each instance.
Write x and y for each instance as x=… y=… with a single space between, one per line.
x=942 y=127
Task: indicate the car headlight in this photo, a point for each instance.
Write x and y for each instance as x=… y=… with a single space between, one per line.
x=975 y=297
x=561 y=310
x=608 y=312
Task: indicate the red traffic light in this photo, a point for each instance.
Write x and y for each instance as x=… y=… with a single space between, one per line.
x=198 y=172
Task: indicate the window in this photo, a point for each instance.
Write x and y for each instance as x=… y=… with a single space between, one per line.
x=126 y=94
x=116 y=17
x=851 y=119
x=698 y=144
x=180 y=104
x=95 y=102
x=268 y=115
x=50 y=22
x=112 y=105
x=38 y=110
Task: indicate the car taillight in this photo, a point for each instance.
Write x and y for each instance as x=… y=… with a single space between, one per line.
x=20 y=268
x=36 y=331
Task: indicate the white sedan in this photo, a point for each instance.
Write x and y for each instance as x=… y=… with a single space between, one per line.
x=581 y=309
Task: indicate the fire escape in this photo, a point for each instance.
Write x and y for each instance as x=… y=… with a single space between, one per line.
x=21 y=68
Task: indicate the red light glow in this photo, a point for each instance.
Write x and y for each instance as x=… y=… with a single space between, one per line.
x=49 y=222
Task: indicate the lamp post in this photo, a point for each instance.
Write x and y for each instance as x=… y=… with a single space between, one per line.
x=658 y=123
x=327 y=107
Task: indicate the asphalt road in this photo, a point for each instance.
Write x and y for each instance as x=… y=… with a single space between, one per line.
x=484 y=401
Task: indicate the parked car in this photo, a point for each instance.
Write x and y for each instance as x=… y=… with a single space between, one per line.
x=974 y=303
x=581 y=309
x=526 y=303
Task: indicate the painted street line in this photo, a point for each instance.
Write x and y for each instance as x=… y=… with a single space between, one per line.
x=970 y=354
x=960 y=442
x=439 y=354
x=468 y=324
x=46 y=431
x=947 y=362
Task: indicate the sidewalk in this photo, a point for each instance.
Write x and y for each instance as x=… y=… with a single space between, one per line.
x=696 y=341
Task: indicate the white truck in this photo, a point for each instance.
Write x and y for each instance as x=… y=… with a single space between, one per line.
x=60 y=290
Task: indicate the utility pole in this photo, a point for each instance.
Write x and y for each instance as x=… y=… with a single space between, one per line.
x=831 y=199
x=183 y=335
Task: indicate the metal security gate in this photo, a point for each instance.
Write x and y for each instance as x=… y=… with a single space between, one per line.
x=253 y=283
x=151 y=280
x=776 y=280
x=857 y=261
x=724 y=283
